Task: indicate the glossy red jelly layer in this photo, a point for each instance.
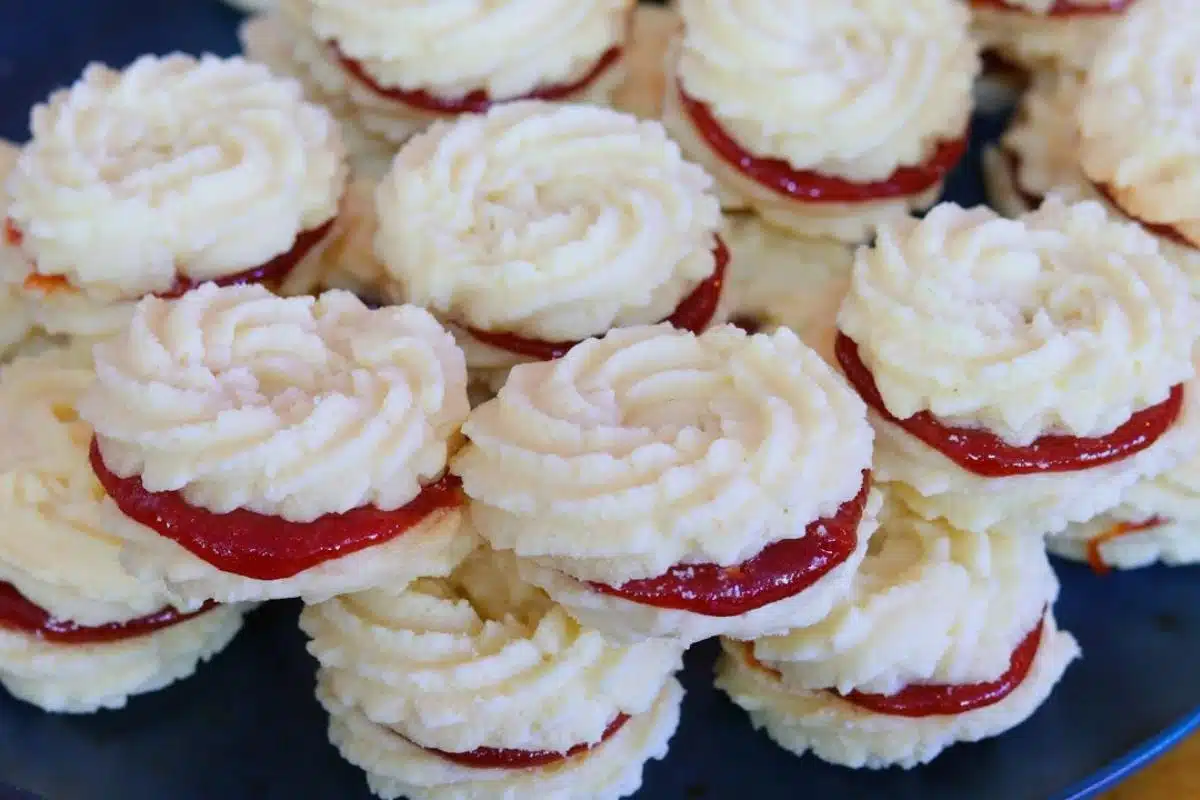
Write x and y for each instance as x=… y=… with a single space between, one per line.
x=984 y=453
x=18 y=613
x=498 y=758
x=263 y=547
x=478 y=101
x=779 y=571
x=693 y=313
x=274 y=270
x=1061 y=8
x=1094 y=555
x=1158 y=229
x=813 y=187
x=936 y=700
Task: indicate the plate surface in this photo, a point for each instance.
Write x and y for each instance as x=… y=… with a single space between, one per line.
x=247 y=725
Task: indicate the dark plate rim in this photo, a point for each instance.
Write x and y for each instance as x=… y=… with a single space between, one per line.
x=1135 y=760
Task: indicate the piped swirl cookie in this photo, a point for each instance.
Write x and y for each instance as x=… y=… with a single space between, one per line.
x=77 y=632
x=946 y=636
x=173 y=171
x=533 y=226
x=659 y=483
x=826 y=119
x=1039 y=155
x=479 y=684
x=1020 y=373
x=1045 y=35
x=280 y=447
x=406 y=64
x=1150 y=171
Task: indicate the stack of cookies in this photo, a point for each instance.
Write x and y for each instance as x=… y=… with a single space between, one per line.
x=520 y=460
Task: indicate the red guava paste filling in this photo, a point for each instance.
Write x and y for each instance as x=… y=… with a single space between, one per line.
x=936 y=700
x=498 y=758
x=1158 y=229
x=263 y=547
x=19 y=614
x=1061 y=8
x=813 y=187
x=779 y=571
x=984 y=453
x=274 y=270
x=478 y=101
x=693 y=314
x=1094 y=555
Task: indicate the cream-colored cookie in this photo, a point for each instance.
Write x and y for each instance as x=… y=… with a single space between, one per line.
x=1016 y=326
x=481 y=659
x=16 y=317
x=172 y=168
x=1028 y=34
x=1158 y=520
x=82 y=678
x=292 y=408
x=349 y=262
x=1147 y=72
x=853 y=92
x=288 y=49
x=1039 y=153
x=397 y=768
x=60 y=548
x=403 y=66
x=550 y=222
x=453 y=52
x=643 y=90
x=930 y=604
x=776 y=279
x=684 y=450
x=838 y=731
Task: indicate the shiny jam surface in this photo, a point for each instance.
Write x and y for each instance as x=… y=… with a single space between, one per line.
x=262 y=547
x=1164 y=231
x=478 y=101
x=693 y=314
x=274 y=270
x=935 y=700
x=984 y=453
x=1061 y=8
x=18 y=613
x=781 y=570
x=498 y=758
x=1094 y=555
x=814 y=187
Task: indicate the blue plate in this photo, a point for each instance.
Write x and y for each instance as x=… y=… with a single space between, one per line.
x=247 y=725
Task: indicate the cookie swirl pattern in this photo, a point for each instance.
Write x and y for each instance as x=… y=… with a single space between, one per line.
x=550 y=222
x=57 y=546
x=930 y=604
x=1017 y=321
x=294 y=407
x=506 y=49
x=855 y=89
x=480 y=659
x=1148 y=71
x=680 y=448
x=202 y=167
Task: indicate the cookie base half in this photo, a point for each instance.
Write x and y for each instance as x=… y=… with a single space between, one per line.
x=82 y=678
